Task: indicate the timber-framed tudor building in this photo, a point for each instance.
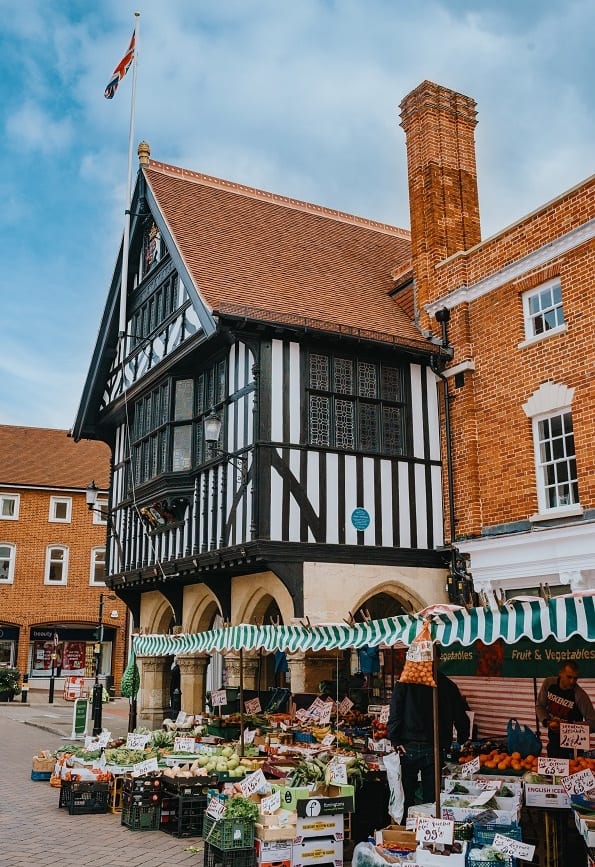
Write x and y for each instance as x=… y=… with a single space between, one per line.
x=321 y=343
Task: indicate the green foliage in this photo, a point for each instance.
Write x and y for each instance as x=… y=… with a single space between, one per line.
x=9 y=680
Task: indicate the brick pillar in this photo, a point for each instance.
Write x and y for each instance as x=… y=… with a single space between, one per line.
x=153 y=697
x=192 y=682
x=439 y=126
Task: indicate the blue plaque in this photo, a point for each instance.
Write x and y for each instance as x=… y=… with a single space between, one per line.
x=360 y=519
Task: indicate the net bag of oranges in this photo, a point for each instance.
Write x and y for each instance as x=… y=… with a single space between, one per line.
x=419 y=661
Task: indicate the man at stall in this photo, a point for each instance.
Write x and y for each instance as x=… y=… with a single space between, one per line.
x=411 y=731
x=561 y=699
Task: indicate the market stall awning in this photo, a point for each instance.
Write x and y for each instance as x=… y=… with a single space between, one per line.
x=536 y=619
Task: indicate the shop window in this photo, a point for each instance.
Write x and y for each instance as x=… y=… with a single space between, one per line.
x=9 y=507
x=60 y=510
x=56 y=565
x=543 y=311
x=98 y=566
x=7 y=557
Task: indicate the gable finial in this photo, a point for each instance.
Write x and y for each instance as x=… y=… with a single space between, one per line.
x=144 y=152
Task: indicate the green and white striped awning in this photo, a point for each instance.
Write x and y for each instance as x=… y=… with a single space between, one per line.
x=536 y=619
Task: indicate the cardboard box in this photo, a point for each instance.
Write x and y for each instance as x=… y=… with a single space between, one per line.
x=332 y=799
x=397 y=835
x=321 y=850
x=546 y=795
x=586 y=828
x=332 y=826
x=273 y=854
x=271 y=833
x=507 y=811
x=427 y=858
x=290 y=795
x=471 y=784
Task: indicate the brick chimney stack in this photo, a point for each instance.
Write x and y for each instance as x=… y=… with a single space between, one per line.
x=439 y=126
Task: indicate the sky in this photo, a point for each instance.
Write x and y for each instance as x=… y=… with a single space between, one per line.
x=296 y=97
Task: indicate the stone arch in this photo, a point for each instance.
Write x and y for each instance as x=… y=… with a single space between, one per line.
x=157 y=614
x=403 y=596
x=200 y=608
x=252 y=595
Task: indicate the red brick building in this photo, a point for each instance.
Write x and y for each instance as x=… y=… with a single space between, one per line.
x=517 y=308
x=52 y=557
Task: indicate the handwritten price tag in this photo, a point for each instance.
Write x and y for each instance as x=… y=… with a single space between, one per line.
x=215 y=808
x=336 y=773
x=578 y=783
x=252 y=783
x=252 y=706
x=345 y=706
x=184 y=745
x=136 y=742
x=327 y=740
x=384 y=714
x=559 y=767
x=471 y=767
x=219 y=698
x=434 y=830
x=515 y=848
x=302 y=715
x=146 y=767
x=481 y=799
x=575 y=736
x=492 y=785
x=270 y=804
x=326 y=712
x=249 y=736
x=181 y=718
x=420 y=651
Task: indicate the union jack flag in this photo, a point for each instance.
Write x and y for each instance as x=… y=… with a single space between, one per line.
x=121 y=69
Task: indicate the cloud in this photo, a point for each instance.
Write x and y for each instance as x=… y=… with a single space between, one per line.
x=34 y=130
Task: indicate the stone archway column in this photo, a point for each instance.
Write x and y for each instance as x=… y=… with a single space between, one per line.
x=297 y=672
x=193 y=671
x=250 y=673
x=153 y=699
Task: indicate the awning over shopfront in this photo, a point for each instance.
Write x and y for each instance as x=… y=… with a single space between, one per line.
x=535 y=619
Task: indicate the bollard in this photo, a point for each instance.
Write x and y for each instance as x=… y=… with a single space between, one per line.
x=25 y=689
x=97 y=708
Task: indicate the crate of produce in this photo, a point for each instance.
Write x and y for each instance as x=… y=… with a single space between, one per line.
x=187 y=786
x=304 y=737
x=485 y=834
x=214 y=857
x=228 y=833
x=43 y=764
x=41 y=775
x=229 y=732
x=140 y=817
x=84 y=796
x=145 y=785
x=477 y=857
x=183 y=817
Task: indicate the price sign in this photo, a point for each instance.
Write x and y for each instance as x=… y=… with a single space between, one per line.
x=345 y=706
x=420 y=651
x=146 y=767
x=219 y=698
x=482 y=798
x=515 y=848
x=434 y=830
x=471 y=767
x=252 y=706
x=492 y=785
x=327 y=740
x=184 y=745
x=384 y=714
x=252 y=783
x=215 y=808
x=249 y=735
x=271 y=803
x=180 y=719
x=302 y=715
x=336 y=773
x=559 y=767
x=578 y=783
x=326 y=712
x=104 y=738
x=410 y=823
x=136 y=742
x=205 y=749
x=575 y=736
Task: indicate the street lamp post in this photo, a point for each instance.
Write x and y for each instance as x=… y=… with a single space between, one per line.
x=97 y=701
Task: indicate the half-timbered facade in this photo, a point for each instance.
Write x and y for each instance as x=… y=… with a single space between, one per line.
x=323 y=494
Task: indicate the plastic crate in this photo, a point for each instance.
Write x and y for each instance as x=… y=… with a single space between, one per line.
x=139 y=817
x=189 y=786
x=215 y=857
x=82 y=796
x=475 y=862
x=183 y=817
x=485 y=834
x=228 y=833
x=304 y=737
x=227 y=732
x=464 y=831
x=115 y=794
x=41 y=775
x=146 y=785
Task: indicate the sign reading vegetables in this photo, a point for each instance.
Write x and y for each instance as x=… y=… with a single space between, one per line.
x=522 y=659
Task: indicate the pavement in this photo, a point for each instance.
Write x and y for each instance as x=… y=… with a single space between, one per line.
x=35 y=831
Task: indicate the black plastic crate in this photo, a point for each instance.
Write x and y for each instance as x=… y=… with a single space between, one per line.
x=179 y=821
x=215 y=857
x=186 y=786
x=139 y=817
x=82 y=796
x=142 y=786
x=150 y=798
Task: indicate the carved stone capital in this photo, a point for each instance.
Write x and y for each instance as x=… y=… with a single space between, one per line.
x=191 y=665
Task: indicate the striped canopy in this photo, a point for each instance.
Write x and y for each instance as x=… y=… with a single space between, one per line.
x=536 y=619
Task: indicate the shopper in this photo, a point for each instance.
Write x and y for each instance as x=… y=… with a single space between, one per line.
x=411 y=731
x=561 y=699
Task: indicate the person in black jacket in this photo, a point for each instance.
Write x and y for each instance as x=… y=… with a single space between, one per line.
x=411 y=731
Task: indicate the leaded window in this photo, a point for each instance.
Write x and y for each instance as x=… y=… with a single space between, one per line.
x=365 y=408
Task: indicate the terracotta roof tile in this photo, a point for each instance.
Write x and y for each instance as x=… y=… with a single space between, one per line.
x=50 y=458
x=246 y=247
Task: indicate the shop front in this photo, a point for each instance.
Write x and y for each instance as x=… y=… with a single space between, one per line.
x=64 y=651
x=9 y=642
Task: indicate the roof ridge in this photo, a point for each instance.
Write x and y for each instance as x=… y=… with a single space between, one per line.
x=263 y=195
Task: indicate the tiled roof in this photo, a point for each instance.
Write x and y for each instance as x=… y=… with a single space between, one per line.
x=245 y=248
x=50 y=458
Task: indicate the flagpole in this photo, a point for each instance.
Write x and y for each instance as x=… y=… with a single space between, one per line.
x=126 y=241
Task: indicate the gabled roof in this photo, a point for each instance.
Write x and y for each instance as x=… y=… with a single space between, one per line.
x=248 y=250
x=49 y=458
